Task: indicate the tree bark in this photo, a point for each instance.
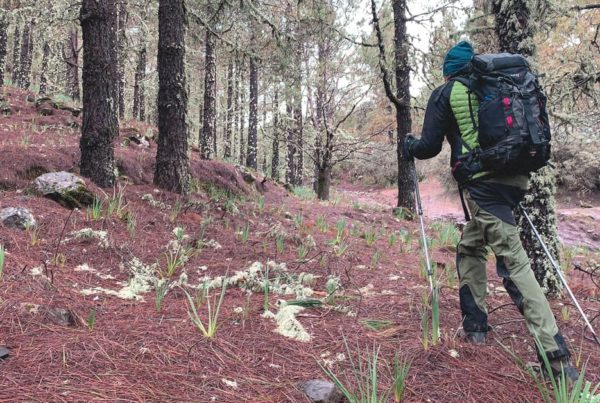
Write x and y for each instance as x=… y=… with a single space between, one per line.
x=290 y=174
x=172 y=171
x=229 y=112
x=324 y=182
x=122 y=55
x=71 y=57
x=403 y=116
x=3 y=42
x=44 y=69
x=16 y=50
x=209 y=121
x=515 y=35
x=242 y=156
x=253 y=118
x=139 y=110
x=236 y=107
x=25 y=57
x=276 y=131
x=100 y=93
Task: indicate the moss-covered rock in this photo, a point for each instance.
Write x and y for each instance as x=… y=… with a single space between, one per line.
x=65 y=188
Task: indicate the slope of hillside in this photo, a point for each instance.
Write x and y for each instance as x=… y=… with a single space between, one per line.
x=80 y=313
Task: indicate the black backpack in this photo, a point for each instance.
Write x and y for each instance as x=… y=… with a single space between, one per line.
x=513 y=130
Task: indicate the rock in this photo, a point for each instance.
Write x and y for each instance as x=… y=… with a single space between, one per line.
x=66 y=106
x=4 y=352
x=65 y=188
x=60 y=316
x=5 y=108
x=130 y=132
x=45 y=106
x=320 y=391
x=288 y=215
x=140 y=141
x=17 y=217
x=30 y=98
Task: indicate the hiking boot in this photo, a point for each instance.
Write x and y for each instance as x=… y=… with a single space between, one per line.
x=563 y=364
x=475 y=337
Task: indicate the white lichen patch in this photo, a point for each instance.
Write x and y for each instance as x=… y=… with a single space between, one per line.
x=329 y=361
x=143 y=279
x=155 y=203
x=288 y=325
x=88 y=234
x=211 y=243
x=367 y=290
x=232 y=384
x=36 y=271
x=393 y=277
x=85 y=268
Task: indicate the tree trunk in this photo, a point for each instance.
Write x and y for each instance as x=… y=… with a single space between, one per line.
x=236 y=107
x=323 y=181
x=276 y=131
x=71 y=57
x=290 y=174
x=122 y=56
x=172 y=171
x=3 y=39
x=406 y=197
x=15 y=55
x=44 y=70
x=209 y=121
x=242 y=156
x=138 y=87
x=252 y=118
x=515 y=35
x=100 y=93
x=25 y=58
x=229 y=112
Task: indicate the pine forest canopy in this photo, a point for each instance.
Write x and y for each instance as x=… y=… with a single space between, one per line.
x=295 y=89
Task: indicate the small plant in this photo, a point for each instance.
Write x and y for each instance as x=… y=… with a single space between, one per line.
x=261 y=204
x=245 y=233
x=298 y=221
x=370 y=236
x=448 y=234
x=376 y=324
x=280 y=243
x=25 y=140
x=401 y=370
x=175 y=210
x=2 y=257
x=174 y=260
x=179 y=233
x=392 y=239
x=131 y=221
x=340 y=226
x=375 y=258
x=230 y=204
x=94 y=212
x=212 y=322
x=401 y=213
x=362 y=383
x=303 y=252
x=430 y=308
x=564 y=313
x=303 y=193
x=162 y=288
x=406 y=239
x=116 y=202
x=435 y=317
x=91 y=319
x=340 y=248
x=59 y=260
x=321 y=224
x=266 y=289
x=34 y=234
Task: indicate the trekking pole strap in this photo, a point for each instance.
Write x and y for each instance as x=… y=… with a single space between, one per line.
x=560 y=273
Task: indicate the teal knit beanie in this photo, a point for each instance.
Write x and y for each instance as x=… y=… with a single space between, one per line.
x=457 y=58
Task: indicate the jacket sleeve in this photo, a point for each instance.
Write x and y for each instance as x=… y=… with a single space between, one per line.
x=438 y=116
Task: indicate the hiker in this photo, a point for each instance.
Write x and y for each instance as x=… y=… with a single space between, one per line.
x=490 y=197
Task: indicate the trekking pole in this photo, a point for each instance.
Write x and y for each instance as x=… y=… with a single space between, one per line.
x=420 y=213
x=560 y=274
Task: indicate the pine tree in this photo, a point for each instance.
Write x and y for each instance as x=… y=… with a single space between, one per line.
x=100 y=93
x=515 y=35
x=3 y=42
x=172 y=171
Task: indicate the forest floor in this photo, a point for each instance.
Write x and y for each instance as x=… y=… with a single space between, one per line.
x=79 y=314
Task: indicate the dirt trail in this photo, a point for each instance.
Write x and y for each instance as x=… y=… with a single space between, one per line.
x=577 y=226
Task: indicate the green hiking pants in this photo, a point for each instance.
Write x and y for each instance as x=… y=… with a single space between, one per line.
x=483 y=230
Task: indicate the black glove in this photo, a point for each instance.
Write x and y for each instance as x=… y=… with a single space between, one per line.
x=406 y=147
